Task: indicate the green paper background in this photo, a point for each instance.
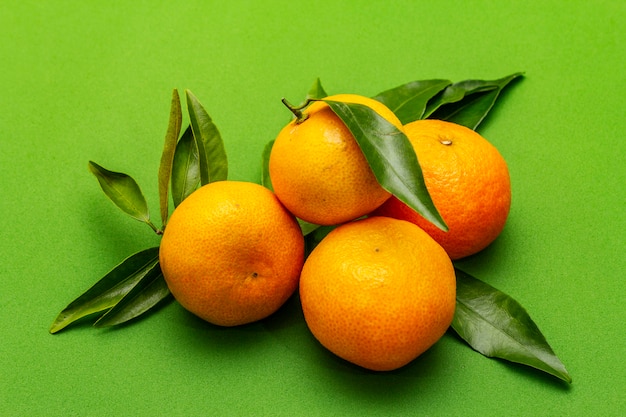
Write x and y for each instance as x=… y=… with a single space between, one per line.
x=85 y=80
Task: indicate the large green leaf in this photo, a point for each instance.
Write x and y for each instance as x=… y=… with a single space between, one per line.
x=498 y=326
x=409 y=100
x=211 y=151
x=165 y=167
x=124 y=191
x=146 y=294
x=109 y=290
x=185 y=168
x=477 y=101
x=391 y=157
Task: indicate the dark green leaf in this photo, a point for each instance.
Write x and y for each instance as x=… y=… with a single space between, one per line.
x=211 y=151
x=185 y=168
x=455 y=93
x=109 y=290
x=391 y=157
x=165 y=167
x=266 y=181
x=409 y=101
x=498 y=326
x=147 y=293
x=316 y=91
x=474 y=107
x=315 y=237
x=123 y=191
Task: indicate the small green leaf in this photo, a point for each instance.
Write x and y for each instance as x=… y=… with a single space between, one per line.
x=307 y=227
x=124 y=191
x=147 y=293
x=185 y=168
x=391 y=157
x=266 y=181
x=316 y=91
x=109 y=290
x=211 y=151
x=408 y=101
x=496 y=325
x=165 y=167
x=474 y=107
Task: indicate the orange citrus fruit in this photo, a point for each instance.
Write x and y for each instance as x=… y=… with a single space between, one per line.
x=378 y=292
x=318 y=170
x=468 y=180
x=231 y=253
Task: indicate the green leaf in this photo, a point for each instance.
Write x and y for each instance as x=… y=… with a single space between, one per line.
x=315 y=237
x=307 y=227
x=266 y=181
x=455 y=93
x=409 y=100
x=147 y=293
x=496 y=325
x=109 y=290
x=316 y=91
x=123 y=191
x=391 y=157
x=474 y=107
x=165 y=167
x=185 y=168
x=211 y=151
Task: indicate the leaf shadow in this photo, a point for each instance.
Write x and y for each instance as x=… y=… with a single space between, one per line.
x=109 y=231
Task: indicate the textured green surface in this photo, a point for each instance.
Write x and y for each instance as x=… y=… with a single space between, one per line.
x=84 y=80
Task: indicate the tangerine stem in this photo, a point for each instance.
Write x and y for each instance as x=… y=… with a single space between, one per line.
x=297 y=110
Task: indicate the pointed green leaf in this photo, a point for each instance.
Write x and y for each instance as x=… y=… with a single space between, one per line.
x=455 y=93
x=496 y=325
x=109 y=290
x=211 y=151
x=307 y=227
x=266 y=181
x=165 y=167
x=147 y=293
x=474 y=107
x=316 y=91
x=124 y=191
x=408 y=101
x=391 y=157
x=185 y=168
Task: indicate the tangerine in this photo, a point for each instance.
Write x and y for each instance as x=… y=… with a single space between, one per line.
x=318 y=170
x=231 y=253
x=468 y=181
x=378 y=292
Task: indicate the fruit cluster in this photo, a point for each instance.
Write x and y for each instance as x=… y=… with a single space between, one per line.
x=379 y=289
